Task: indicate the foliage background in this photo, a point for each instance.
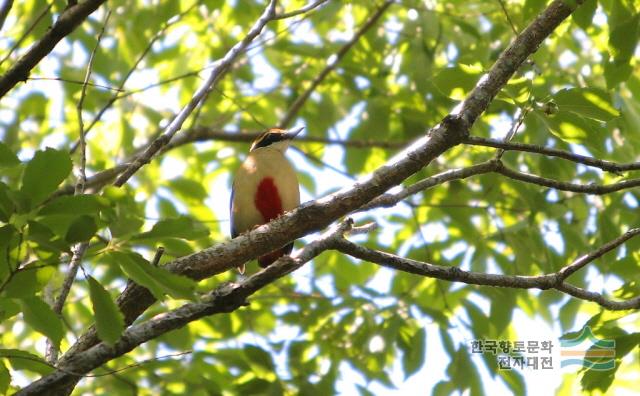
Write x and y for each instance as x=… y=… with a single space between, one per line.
x=338 y=324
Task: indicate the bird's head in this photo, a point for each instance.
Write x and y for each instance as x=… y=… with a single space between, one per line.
x=278 y=139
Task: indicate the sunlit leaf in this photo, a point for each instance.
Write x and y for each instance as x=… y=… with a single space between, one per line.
x=44 y=172
x=42 y=318
x=109 y=319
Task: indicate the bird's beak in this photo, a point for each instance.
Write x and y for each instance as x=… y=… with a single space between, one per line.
x=292 y=133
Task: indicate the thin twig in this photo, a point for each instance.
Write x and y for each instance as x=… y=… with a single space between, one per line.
x=203 y=134
x=302 y=10
x=593 y=189
x=52 y=349
x=64 y=80
x=124 y=80
x=553 y=280
x=512 y=132
x=106 y=372
x=390 y=199
x=218 y=71
x=580 y=262
x=82 y=179
x=300 y=100
x=80 y=248
x=608 y=166
x=158 y=255
x=506 y=13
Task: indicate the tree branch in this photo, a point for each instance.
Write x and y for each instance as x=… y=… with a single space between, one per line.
x=593 y=189
x=80 y=248
x=318 y=214
x=70 y=18
x=302 y=10
x=120 y=89
x=608 y=166
x=390 y=199
x=553 y=280
x=224 y=299
x=203 y=134
x=220 y=69
x=580 y=262
x=523 y=45
x=4 y=11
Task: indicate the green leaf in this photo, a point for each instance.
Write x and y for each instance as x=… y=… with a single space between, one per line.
x=75 y=205
x=81 y=229
x=44 y=173
x=24 y=283
x=573 y=128
x=5 y=378
x=8 y=158
x=514 y=381
x=259 y=357
x=41 y=318
x=413 y=350
x=624 y=38
x=188 y=189
x=182 y=227
x=583 y=15
x=7 y=206
x=587 y=102
x=22 y=360
x=8 y=308
x=616 y=71
x=109 y=319
x=158 y=280
x=456 y=82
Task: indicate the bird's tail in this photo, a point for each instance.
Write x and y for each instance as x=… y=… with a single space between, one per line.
x=241 y=269
x=268 y=259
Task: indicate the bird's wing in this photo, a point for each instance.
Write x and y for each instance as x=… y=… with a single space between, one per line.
x=234 y=232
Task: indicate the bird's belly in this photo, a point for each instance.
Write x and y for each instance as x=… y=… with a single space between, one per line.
x=264 y=189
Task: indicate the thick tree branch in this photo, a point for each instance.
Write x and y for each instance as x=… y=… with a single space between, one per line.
x=608 y=166
x=66 y=23
x=524 y=45
x=226 y=298
x=553 y=280
x=318 y=214
x=300 y=100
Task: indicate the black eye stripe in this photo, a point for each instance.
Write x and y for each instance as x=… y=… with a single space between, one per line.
x=267 y=139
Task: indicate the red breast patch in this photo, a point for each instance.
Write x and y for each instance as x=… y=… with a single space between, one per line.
x=267 y=199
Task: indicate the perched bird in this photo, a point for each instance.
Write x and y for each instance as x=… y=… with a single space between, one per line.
x=264 y=187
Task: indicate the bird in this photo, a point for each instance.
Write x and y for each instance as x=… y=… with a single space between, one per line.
x=264 y=187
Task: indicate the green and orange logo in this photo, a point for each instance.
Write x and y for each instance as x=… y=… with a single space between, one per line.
x=588 y=351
